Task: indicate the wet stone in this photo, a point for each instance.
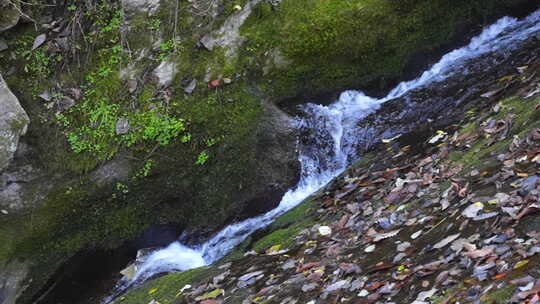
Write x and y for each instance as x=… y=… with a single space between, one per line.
x=122 y=126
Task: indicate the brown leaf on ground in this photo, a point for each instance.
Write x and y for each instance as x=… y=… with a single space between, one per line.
x=533 y=208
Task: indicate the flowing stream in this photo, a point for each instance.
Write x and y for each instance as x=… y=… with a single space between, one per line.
x=329 y=144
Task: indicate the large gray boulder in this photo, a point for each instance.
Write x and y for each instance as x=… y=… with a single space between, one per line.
x=13 y=124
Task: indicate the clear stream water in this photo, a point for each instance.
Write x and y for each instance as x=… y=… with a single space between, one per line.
x=332 y=134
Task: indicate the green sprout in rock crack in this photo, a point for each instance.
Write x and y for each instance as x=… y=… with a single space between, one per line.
x=122 y=188
x=169 y=47
x=145 y=170
x=211 y=142
x=202 y=158
x=154 y=24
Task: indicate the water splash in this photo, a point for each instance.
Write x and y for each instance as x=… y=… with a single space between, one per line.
x=329 y=145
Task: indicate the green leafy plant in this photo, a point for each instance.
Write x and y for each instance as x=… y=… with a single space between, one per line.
x=202 y=158
x=154 y=24
x=169 y=47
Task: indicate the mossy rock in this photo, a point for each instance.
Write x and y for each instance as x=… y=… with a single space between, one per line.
x=9 y=15
x=336 y=45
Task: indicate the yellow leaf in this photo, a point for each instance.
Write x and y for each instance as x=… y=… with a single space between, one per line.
x=273 y=249
x=211 y=295
x=310 y=243
x=152 y=291
x=506 y=78
x=521 y=264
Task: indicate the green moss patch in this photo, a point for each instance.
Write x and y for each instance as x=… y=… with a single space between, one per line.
x=524 y=118
x=499 y=296
x=346 y=44
x=166 y=289
x=283 y=230
x=283 y=237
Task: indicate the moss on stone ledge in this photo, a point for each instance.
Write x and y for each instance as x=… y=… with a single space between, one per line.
x=335 y=45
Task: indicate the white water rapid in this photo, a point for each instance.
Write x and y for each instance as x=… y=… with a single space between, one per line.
x=330 y=146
